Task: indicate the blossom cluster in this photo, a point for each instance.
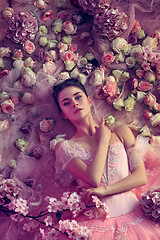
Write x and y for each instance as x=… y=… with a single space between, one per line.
x=150 y=202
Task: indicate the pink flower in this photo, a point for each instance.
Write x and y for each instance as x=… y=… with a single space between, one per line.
x=99 y=93
x=47 y=16
x=7 y=106
x=7 y=12
x=49 y=67
x=48 y=221
x=67 y=55
x=144 y=86
x=40 y=4
x=15 y=100
x=62 y=46
x=140 y=73
x=46 y=125
x=147 y=114
x=108 y=58
x=146 y=66
x=29 y=47
x=4 y=73
x=149 y=98
x=133 y=83
x=136 y=26
x=69 y=28
x=73 y=47
x=110 y=88
x=4 y=125
x=156 y=34
x=27 y=98
x=17 y=54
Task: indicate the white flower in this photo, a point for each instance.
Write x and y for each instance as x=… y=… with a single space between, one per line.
x=124 y=76
x=18 y=64
x=130 y=61
x=119 y=44
x=75 y=73
x=151 y=42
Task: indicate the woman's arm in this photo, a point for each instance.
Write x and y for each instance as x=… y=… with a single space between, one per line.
x=135 y=179
x=92 y=174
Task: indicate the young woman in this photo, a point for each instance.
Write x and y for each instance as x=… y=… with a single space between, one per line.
x=104 y=163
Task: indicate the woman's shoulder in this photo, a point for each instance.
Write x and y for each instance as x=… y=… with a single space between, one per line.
x=59 y=145
x=125 y=135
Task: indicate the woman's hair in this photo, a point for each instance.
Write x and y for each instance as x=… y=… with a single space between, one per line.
x=67 y=83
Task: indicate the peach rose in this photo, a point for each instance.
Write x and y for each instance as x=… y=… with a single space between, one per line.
x=7 y=106
x=108 y=58
x=29 y=47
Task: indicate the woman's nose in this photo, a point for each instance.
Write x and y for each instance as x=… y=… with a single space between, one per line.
x=75 y=104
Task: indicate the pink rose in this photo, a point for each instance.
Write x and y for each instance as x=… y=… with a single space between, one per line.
x=29 y=47
x=73 y=47
x=47 y=16
x=69 y=28
x=49 y=67
x=17 y=54
x=110 y=88
x=7 y=106
x=146 y=66
x=4 y=73
x=144 y=86
x=46 y=125
x=140 y=73
x=67 y=56
x=27 y=98
x=108 y=58
x=62 y=46
x=4 y=125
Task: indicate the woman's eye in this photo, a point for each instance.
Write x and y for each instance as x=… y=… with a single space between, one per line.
x=78 y=97
x=66 y=103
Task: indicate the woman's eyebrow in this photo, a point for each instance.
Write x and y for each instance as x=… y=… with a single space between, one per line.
x=68 y=98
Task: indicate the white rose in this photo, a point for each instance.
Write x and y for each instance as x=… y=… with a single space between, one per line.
x=137 y=52
x=151 y=42
x=119 y=44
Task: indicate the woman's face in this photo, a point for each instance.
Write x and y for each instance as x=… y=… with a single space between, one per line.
x=74 y=103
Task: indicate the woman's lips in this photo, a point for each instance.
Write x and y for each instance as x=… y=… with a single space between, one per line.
x=77 y=110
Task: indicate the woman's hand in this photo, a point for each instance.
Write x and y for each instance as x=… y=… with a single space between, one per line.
x=88 y=192
x=103 y=134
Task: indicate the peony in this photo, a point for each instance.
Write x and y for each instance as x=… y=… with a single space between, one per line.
x=7 y=106
x=151 y=42
x=8 y=13
x=108 y=58
x=110 y=88
x=29 y=47
x=49 y=67
x=27 y=98
x=46 y=125
x=119 y=44
x=4 y=125
x=43 y=30
x=69 y=28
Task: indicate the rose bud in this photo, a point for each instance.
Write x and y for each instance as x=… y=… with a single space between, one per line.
x=37 y=152
x=26 y=128
x=7 y=106
x=147 y=114
x=149 y=98
x=144 y=86
x=140 y=73
x=69 y=28
x=4 y=52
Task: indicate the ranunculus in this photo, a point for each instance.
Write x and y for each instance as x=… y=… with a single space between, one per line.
x=29 y=47
x=144 y=86
x=43 y=41
x=67 y=39
x=7 y=106
x=69 y=65
x=43 y=30
x=21 y=144
x=129 y=104
x=108 y=58
x=137 y=52
x=119 y=44
x=27 y=98
x=151 y=42
x=8 y=13
x=4 y=52
x=85 y=37
x=29 y=78
x=29 y=62
x=47 y=16
x=52 y=44
x=4 y=125
x=69 y=28
x=18 y=64
x=4 y=95
x=17 y=54
x=49 y=67
x=57 y=26
x=46 y=125
x=41 y=4
x=130 y=61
